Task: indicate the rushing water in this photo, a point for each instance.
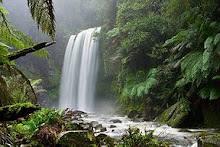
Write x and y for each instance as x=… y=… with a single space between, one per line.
x=79 y=71
x=177 y=137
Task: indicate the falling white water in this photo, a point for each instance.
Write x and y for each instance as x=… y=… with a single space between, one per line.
x=79 y=72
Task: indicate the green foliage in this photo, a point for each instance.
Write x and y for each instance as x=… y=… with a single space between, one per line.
x=196 y=47
x=134 y=138
x=35 y=83
x=191 y=56
x=54 y=81
x=4 y=52
x=14 y=37
x=138 y=29
x=28 y=129
x=138 y=85
x=191 y=67
x=16 y=86
x=47 y=116
x=113 y=33
x=42 y=12
x=210 y=91
x=54 y=93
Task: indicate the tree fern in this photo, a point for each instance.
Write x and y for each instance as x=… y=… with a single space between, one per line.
x=191 y=66
x=139 y=85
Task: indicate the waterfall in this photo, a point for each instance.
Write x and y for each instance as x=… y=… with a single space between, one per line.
x=79 y=71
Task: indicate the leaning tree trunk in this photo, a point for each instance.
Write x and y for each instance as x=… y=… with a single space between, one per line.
x=24 y=52
x=5 y=97
x=144 y=106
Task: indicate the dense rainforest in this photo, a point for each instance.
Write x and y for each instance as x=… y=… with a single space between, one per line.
x=159 y=62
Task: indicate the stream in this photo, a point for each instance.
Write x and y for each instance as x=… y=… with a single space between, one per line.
x=176 y=137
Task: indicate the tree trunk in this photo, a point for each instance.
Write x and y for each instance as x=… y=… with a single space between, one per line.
x=5 y=97
x=24 y=52
x=144 y=106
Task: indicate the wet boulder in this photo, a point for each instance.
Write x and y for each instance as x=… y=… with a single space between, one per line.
x=112 y=126
x=79 y=113
x=94 y=123
x=116 y=121
x=176 y=115
x=211 y=140
x=85 y=126
x=80 y=138
x=104 y=140
x=133 y=114
x=100 y=128
x=103 y=129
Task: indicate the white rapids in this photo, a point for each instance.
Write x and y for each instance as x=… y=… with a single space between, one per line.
x=177 y=137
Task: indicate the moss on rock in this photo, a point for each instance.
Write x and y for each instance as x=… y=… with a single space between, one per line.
x=211 y=140
x=176 y=114
x=104 y=140
x=75 y=138
x=12 y=112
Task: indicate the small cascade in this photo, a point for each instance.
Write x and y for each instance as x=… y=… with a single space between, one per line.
x=79 y=71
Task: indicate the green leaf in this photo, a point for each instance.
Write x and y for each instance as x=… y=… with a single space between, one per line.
x=31 y=125
x=216 y=77
x=207 y=55
x=42 y=11
x=35 y=82
x=209 y=43
x=4 y=45
x=204 y=92
x=113 y=33
x=214 y=93
x=191 y=67
x=2 y=10
x=217 y=39
x=218 y=48
x=140 y=75
x=182 y=82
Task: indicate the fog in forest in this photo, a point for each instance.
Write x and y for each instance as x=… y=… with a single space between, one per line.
x=72 y=16
x=110 y=73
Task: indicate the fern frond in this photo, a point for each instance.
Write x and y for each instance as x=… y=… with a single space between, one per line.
x=204 y=92
x=16 y=38
x=211 y=91
x=35 y=82
x=139 y=85
x=42 y=11
x=4 y=52
x=191 y=67
x=216 y=77
x=214 y=93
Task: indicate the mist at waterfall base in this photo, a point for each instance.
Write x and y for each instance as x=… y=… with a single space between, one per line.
x=79 y=73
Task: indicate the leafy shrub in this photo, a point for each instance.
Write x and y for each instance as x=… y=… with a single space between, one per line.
x=38 y=123
x=134 y=138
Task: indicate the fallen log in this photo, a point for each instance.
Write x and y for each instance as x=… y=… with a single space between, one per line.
x=12 y=112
